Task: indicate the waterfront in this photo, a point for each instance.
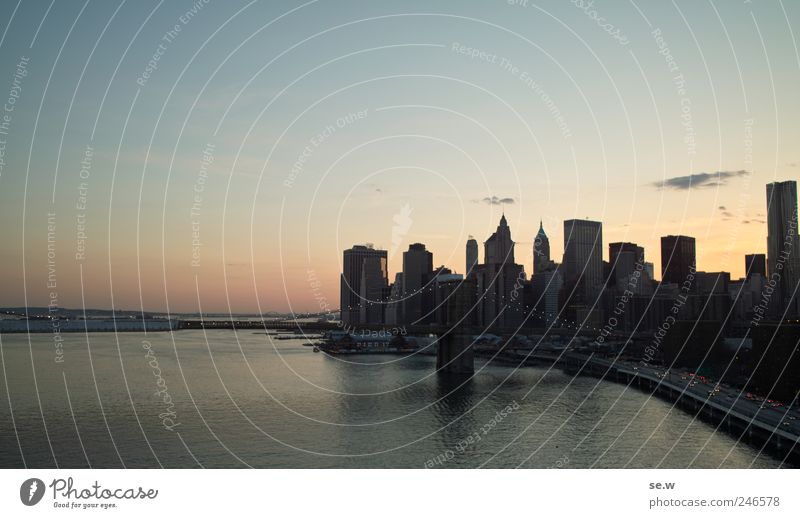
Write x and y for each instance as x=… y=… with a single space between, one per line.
x=237 y=399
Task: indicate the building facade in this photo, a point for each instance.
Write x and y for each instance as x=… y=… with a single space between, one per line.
x=500 y=282
x=782 y=247
x=678 y=258
x=755 y=263
x=583 y=257
x=350 y=289
x=472 y=255
x=417 y=275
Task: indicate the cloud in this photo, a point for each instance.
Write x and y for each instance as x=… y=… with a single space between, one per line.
x=494 y=200
x=699 y=180
x=722 y=207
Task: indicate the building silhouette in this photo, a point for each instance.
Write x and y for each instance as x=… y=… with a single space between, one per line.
x=545 y=292
x=541 y=251
x=350 y=292
x=500 y=281
x=472 y=255
x=417 y=274
x=625 y=259
x=677 y=258
x=499 y=248
x=782 y=253
x=755 y=264
x=583 y=257
x=373 y=290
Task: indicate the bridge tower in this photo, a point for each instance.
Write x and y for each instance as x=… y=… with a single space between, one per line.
x=454 y=354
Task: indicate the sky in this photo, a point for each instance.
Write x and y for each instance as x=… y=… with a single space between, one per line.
x=218 y=156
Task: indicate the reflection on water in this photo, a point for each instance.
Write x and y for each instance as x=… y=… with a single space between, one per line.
x=239 y=399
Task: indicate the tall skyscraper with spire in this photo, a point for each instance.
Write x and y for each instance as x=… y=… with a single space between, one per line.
x=499 y=248
x=500 y=281
x=541 y=251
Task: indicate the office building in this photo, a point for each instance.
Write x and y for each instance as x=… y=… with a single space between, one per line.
x=500 y=281
x=541 y=251
x=417 y=273
x=677 y=258
x=350 y=291
x=499 y=248
x=545 y=292
x=373 y=290
x=782 y=247
x=625 y=259
x=583 y=257
x=755 y=263
x=394 y=306
x=472 y=255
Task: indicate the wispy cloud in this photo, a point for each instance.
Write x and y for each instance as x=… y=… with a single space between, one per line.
x=699 y=180
x=725 y=213
x=494 y=200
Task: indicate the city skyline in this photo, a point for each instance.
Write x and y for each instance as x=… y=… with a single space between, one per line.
x=214 y=173
x=581 y=289
x=456 y=234
x=781 y=207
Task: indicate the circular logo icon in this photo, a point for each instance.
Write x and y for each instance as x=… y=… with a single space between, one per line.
x=31 y=491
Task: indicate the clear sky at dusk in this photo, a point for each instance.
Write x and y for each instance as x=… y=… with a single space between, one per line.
x=277 y=134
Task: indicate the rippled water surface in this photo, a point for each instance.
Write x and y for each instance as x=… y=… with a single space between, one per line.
x=241 y=399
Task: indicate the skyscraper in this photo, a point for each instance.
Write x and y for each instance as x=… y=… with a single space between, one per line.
x=394 y=308
x=545 y=290
x=783 y=258
x=677 y=258
x=499 y=248
x=625 y=259
x=350 y=291
x=472 y=255
x=417 y=272
x=500 y=281
x=583 y=256
x=372 y=290
x=755 y=263
x=541 y=251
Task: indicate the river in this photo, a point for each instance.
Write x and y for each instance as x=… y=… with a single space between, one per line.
x=241 y=399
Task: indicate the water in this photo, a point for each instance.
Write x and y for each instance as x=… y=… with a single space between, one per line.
x=238 y=399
